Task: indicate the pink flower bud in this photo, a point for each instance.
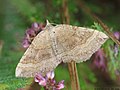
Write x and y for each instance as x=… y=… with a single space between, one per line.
x=60 y=85
x=25 y=43
x=50 y=75
x=40 y=79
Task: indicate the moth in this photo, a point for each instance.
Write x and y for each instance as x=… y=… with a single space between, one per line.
x=56 y=44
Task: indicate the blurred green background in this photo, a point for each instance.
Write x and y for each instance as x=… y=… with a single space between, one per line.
x=17 y=15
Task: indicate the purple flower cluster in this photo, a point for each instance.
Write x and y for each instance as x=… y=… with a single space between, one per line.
x=116 y=48
x=31 y=33
x=99 y=60
x=117 y=35
x=48 y=82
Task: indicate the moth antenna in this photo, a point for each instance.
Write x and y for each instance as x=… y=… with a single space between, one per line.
x=48 y=23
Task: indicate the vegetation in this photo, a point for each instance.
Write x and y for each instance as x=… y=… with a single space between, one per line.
x=17 y=15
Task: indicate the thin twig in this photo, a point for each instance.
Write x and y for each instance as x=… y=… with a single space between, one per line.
x=76 y=76
x=73 y=76
x=66 y=17
x=104 y=26
x=72 y=65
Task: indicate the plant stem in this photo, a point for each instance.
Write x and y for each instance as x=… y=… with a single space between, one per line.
x=72 y=65
x=66 y=17
x=73 y=76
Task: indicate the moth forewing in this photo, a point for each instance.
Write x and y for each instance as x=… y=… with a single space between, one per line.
x=38 y=58
x=56 y=44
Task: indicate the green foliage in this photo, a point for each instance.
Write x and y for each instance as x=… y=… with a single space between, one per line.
x=85 y=76
x=97 y=26
x=114 y=62
x=62 y=73
x=25 y=8
x=4 y=86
